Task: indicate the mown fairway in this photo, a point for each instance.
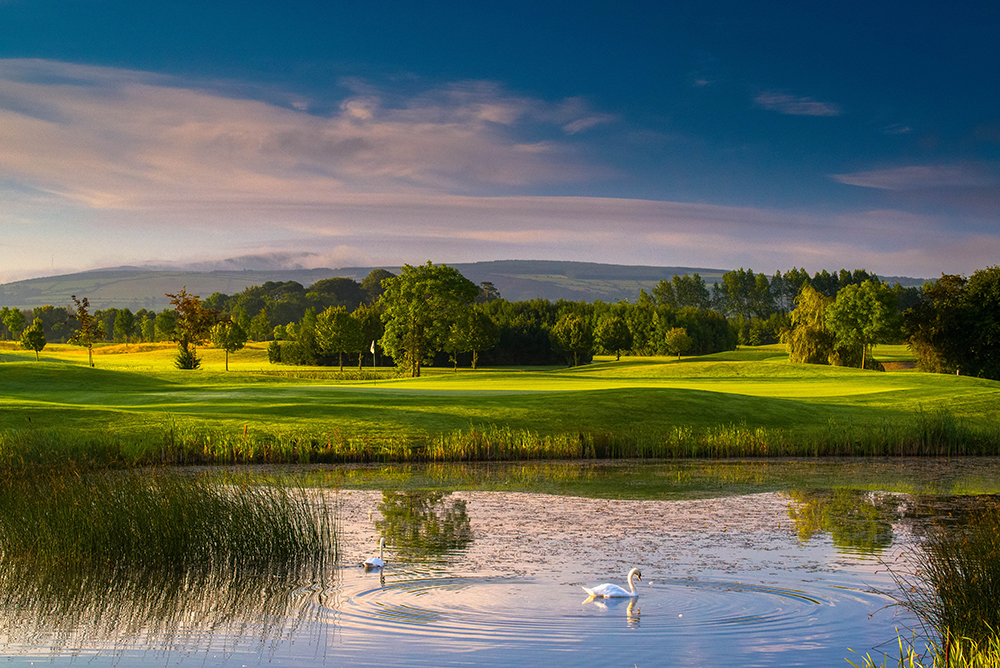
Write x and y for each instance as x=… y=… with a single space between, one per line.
x=757 y=387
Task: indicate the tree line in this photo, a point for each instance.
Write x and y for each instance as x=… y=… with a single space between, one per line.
x=431 y=314
x=953 y=325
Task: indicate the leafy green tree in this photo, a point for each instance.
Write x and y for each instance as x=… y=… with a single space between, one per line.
x=683 y=291
x=808 y=339
x=54 y=319
x=642 y=321
x=88 y=328
x=337 y=332
x=474 y=331
x=147 y=329
x=33 y=337
x=194 y=323
x=982 y=313
x=862 y=316
x=487 y=293
x=124 y=325
x=786 y=287
x=955 y=327
x=260 y=326
x=165 y=323
x=107 y=317
x=228 y=335
x=677 y=341
x=13 y=319
x=613 y=334
x=744 y=293
x=935 y=326
x=573 y=336
x=345 y=292
x=370 y=322
x=374 y=284
x=418 y=309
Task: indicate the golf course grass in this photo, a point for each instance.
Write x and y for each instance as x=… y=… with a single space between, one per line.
x=750 y=402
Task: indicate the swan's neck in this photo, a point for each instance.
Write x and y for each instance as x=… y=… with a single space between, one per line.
x=631 y=582
x=380 y=548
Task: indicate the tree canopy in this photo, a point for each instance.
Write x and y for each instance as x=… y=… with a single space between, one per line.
x=863 y=315
x=573 y=336
x=192 y=327
x=338 y=333
x=33 y=337
x=808 y=339
x=228 y=335
x=88 y=328
x=955 y=326
x=418 y=309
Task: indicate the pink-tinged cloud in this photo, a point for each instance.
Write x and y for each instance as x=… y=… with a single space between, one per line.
x=103 y=167
x=923 y=177
x=114 y=139
x=795 y=106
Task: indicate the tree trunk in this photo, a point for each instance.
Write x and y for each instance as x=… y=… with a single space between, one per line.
x=227 y=360
x=475 y=356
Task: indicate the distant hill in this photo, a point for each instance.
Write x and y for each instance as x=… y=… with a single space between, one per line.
x=136 y=288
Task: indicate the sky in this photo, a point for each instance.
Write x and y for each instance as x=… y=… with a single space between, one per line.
x=261 y=135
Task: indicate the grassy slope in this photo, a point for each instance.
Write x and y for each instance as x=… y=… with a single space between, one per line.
x=755 y=386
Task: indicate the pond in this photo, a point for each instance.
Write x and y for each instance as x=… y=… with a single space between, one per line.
x=763 y=564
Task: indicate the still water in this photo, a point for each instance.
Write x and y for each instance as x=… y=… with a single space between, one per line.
x=769 y=578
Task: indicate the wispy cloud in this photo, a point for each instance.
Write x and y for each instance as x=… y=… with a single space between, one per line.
x=795 y=106
x=118 y=139
x=923 y=177
x=115 y=167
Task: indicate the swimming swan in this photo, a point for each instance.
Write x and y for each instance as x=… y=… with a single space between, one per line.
x=372 y=563
x=607 y=590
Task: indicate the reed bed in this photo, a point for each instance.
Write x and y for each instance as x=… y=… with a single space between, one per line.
x=935 y=434
x=956 y=585
x=141 y=519
x=954 y=590
x=116 y=556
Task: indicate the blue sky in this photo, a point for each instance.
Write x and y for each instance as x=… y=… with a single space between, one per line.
x=710 y=134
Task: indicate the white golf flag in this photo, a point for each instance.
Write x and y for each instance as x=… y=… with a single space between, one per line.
x=373 y=347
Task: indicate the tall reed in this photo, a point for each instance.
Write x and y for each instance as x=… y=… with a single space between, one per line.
x=957 y=583
x=159 y=519
x=123 y=556
x=955 y=587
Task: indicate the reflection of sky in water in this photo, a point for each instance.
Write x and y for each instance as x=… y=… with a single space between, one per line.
x=495 y=578
x=724 y=581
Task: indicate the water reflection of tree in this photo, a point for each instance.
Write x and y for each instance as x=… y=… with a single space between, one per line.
x=856 y=520
x=421 y=524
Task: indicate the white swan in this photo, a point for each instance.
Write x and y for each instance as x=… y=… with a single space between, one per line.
x=372 y=563
x=607 y=590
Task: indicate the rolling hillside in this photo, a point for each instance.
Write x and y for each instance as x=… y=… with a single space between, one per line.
x=135 y=288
